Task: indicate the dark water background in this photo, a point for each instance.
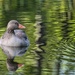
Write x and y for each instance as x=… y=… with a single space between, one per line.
x=50 y=26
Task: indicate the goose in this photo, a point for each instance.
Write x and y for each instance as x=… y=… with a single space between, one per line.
x=14 y=36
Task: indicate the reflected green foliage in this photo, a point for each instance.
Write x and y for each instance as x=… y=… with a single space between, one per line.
x=50 y=26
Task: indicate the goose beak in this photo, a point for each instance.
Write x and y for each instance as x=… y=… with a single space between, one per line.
x=20 y=65
x=21 y=26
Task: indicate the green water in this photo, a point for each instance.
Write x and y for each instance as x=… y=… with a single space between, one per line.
x=50 y=27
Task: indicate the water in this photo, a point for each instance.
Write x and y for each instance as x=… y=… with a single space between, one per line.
x=50 y=27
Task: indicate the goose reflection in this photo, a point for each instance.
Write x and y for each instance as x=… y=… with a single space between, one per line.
x=11 y=52
x=13 y=66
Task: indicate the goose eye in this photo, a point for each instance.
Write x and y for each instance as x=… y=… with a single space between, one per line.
x=16 y=23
